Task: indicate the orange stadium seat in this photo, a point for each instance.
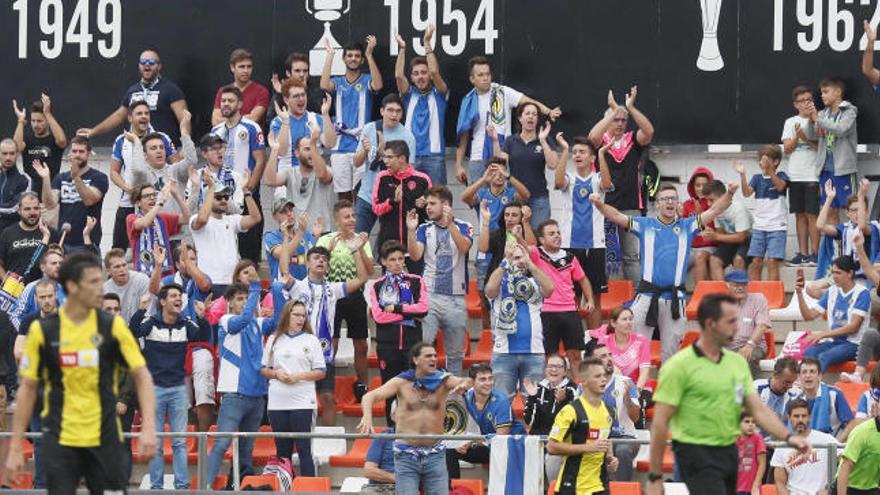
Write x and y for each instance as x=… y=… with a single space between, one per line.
x=23 y=480
x=475 y=486
x=703 y=288
x=619 y=292
x=344 y=393
x=848 y=367
x=259 y=482
x=264 y=447
x=853 y=392
x=688 y=339
x=305 y=484
x=219 y=482
x=770 y=340
x=472 y=299
x=625 y=488
x=768 y=490
x=356 y=455
x=668 y=460
x=773 y=290
x=353 y=408
x=483 y=352
x=518 y=406
x=552 y=489
x=656 y=353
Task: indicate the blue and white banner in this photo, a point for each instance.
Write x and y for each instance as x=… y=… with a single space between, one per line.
x=516 y=465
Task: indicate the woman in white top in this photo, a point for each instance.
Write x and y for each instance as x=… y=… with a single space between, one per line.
x=293 y=362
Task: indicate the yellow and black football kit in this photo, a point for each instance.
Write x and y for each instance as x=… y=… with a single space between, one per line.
x=579 y=423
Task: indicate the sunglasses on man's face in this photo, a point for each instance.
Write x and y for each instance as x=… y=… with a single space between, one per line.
x=148 y=61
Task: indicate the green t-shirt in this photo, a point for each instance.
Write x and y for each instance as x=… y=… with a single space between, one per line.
x=343 y=266
x=863 y=449
x=708 y=396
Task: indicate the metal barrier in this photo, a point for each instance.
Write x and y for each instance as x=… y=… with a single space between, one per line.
x=202 y=446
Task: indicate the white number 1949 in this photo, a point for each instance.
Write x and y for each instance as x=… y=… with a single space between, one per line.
x=108 y=18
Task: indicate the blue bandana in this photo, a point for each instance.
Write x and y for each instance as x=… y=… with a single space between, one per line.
x=430 y=382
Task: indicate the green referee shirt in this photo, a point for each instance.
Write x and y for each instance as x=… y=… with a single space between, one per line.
x=708 y=396
x=863 y=449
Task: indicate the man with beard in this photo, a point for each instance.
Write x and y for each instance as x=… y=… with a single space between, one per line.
x=165 y=98
x=802 y=472
x=27 y=302
x=12 y=182
x=421 y=394
x=215 y=233
x=45 y=142
x=213 y=150
x=79 y=194
x=22 y=244
x=121 y=163
x=255 y=96
x=246 y=154
x=622 y=400
x=354 y=101
x=426 y=101
x=776 y=392
x=297 y=121
x=665 y=248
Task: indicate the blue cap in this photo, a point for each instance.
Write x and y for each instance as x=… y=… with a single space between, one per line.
x=737 y=277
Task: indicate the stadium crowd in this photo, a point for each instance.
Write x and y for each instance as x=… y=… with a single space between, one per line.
x=231 y=350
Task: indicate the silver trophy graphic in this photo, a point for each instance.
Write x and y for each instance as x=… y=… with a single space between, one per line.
x=326 y=11
x=710 y=59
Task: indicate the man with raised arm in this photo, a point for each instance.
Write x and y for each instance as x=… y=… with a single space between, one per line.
x=421 y=397
x=665 y=244
x=354 y=102
x=45 y=142
x=425 y=103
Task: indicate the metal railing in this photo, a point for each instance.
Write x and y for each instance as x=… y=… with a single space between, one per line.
x=202 y=445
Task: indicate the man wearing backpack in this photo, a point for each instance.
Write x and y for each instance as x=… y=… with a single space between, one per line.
x=369 y=154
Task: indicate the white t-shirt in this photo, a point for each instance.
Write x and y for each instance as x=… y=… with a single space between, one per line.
x=735 y=219
x=801 y=161
x=217 y=246
x=501 y=122
x=293 y=354
x=807 y=473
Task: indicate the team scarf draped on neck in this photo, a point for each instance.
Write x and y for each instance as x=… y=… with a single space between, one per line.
x=396 y=290
x=428 y=382
x=469 y=116
x=325 y=327
x=516 y=287
x=621 y=147
x=150 y=237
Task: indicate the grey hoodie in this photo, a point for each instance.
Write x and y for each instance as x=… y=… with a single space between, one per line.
x=843 y=134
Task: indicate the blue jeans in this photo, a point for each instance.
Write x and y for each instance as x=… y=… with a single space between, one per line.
x=540 y=211
x=476 y=169
x=295 y=420
x=171 y=402
x=237 y=413
x=450 y=314
x=365 y=218
x=434 y=166
x=831 y=353
x=429 y=470
x=510 y=369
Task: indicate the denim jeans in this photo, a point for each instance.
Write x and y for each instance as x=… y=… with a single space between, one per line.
x=429 y=470
x=365 y=218
x=450 y=314
x=295 y=420
x=171 y=402
x=476 y=169
x=510 y=369
x=237 y=413
x=540 y=210
x=831 y=353
x=434 y=166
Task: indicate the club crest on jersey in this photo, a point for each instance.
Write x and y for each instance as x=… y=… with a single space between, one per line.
x=505 y=200
x=358 y=87
x=411 y=185
x=325 y=345
x=583 y=192
x=676 y=229
x=242 y=135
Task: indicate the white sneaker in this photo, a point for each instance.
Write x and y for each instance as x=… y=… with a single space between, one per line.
x=850 y=377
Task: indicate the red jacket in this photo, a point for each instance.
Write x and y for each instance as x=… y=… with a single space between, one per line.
x=689 y=207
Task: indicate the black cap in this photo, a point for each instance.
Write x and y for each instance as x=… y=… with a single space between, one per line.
x=209 y=140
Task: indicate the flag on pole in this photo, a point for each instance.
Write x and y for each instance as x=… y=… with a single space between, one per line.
x=516 y=465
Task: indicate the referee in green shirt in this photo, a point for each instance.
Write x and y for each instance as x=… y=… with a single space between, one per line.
x=700 y=396
x=859 y=470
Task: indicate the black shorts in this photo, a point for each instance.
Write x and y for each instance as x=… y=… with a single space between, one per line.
x=727 y=252
x=100 y=466
x=120 y=233
x=707 y=469
x=595 y=265
x=803 y=197
x=565 y=326
x=328 y=383
x=352 y=309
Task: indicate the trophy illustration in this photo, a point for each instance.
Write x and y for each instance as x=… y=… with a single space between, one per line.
x=710 y=59
x=326 y=11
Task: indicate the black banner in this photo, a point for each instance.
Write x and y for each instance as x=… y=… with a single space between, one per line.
x=562 y=52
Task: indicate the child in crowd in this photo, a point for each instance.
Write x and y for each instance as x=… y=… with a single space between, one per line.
x=837 y=131
x=855 y=209
x=697 y=203
x=497 y=187
x=769 y=212
x=752 y=455
x=799 y=144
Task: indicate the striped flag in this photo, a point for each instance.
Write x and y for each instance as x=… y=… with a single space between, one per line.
x=516 y=465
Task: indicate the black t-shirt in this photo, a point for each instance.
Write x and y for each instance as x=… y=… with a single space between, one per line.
x=7 y=338
x=627 y=191
x=20 y=251
x=159 y=96
x=45 y=150
x=527 y=164
x=74 y=211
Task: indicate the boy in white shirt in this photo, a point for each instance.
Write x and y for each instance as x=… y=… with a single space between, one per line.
x=799 y=143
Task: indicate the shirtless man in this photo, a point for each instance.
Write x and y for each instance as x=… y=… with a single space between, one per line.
x=421 y=396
